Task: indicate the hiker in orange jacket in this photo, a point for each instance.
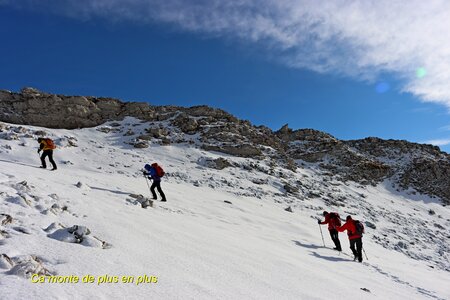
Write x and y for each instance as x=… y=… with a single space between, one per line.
x=354 y=237
x=46 y=146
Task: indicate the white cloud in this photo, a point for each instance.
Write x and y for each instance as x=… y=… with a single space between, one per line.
x=439 y=142
x=445 y=128
x=360 y=39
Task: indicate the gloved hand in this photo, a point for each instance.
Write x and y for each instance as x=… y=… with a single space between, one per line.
x=39 y=150
x=144 y=173
x=318 y=221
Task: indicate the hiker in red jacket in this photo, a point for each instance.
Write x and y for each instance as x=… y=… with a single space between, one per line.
x=333 y=221
x=354 y=237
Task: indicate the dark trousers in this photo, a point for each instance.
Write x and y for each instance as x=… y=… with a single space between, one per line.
x=335 y=237
x=157 y=185
x=48 y=153
x=358 y=251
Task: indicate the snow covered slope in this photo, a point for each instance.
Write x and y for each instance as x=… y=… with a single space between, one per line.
x=223 y=234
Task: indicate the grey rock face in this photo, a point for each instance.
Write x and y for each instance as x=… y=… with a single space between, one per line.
x=243 y=150
x=33 y=107
x=186 y=124
x=290 y=188
x=156 y=133
x=218 y=163
x=428 y=176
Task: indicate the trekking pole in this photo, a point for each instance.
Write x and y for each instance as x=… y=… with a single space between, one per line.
x=323 y=241
x=148 y=185
x=365 y=253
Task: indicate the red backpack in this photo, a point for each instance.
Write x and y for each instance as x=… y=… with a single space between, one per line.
x=334 y=217
x=159 y=171
x=50 y=143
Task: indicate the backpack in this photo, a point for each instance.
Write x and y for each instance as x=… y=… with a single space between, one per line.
x=336 y=219
x=159 y=171
x=50 y=143
x=359 y=227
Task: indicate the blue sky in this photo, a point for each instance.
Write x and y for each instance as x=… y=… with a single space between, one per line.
x=270 y=75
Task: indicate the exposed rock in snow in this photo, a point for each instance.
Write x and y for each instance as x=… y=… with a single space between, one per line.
x=218 y=163
x=129 y=133
x=289 y=209
x=370 y=225
x=27 y=265
x=243 y=150
x=3 y=234
x=289 y=188
x=82 y=186
x=6 y=262
x=157 y=133
x=144 y=201
x=5 y=219
x=56 y=209
x=140 y=144
x=76 y=234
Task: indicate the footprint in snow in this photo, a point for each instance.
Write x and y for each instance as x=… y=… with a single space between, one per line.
x=19 y=200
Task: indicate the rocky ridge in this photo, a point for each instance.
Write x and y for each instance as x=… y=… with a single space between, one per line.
x=414 y=167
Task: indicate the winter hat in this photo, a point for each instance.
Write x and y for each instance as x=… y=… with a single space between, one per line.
x=348 y=218
x=147 y=167
x=325 y=213
x=39 y=140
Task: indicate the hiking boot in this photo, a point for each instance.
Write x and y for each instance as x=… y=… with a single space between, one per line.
x=54 y=169
x=42 y=167
x=354 y=258
x=163 y=200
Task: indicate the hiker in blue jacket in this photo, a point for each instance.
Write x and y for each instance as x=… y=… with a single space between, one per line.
x=155 y=172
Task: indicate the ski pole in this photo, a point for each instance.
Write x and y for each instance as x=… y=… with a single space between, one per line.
x=365 y=253
x=323 y=241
